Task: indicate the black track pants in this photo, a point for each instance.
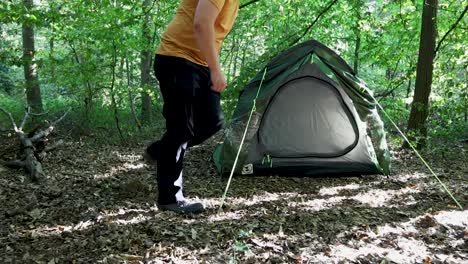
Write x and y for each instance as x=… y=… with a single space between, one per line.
x=193 y=114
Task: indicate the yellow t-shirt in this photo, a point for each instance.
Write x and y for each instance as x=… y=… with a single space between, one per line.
x=179 y=38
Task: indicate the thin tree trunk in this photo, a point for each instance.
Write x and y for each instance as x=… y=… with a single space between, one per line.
x=89 y=94
x=33 y=90
x=420 y=106
x=145 y=65
x=357 y=31
x=51 y=56
x=130 y=93
x=408 y=91
x=466 y=110
x=236 y=57
x=114 y=102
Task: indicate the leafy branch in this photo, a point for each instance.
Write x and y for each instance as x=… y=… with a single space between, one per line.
x=451 y=29
x=328 y=7
x=248 y=3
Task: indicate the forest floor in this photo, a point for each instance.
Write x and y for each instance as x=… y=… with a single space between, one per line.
x=98 y=206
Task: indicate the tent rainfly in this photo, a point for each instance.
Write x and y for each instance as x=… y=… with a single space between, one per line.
x=312 y=116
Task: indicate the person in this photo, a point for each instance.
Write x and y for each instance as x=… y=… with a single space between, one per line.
x=190 y=78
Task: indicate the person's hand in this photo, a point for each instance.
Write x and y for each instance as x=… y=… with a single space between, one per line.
x=218 y=81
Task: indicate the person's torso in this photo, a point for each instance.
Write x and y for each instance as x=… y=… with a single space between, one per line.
x=179 y=38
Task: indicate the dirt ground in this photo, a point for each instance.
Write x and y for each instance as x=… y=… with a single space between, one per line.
x=98 y=206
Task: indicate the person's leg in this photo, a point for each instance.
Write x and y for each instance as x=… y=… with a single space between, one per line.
x=207 y=113
x=177 y=84
x=170 y=172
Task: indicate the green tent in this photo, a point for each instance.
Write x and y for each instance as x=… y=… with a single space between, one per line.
x=312 y=116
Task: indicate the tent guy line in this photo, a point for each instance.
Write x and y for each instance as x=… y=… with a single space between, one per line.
x=419 y=155
x=242 y=142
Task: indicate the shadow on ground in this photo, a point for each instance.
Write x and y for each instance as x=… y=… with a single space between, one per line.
x=99 y=207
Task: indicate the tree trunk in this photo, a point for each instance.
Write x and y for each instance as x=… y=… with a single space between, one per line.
x=130 y=93
x=113 y=92
x=145 y=65
x=33 y=90
x=357 y=32
x=420 y=106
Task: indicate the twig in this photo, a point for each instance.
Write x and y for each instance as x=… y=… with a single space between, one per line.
x=451 y=29
x=46 y=132
x=61 y=118
x=25 y=118
x=248 y=3
x=330 y=5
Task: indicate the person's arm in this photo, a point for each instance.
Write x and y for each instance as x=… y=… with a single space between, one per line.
x=203 y=25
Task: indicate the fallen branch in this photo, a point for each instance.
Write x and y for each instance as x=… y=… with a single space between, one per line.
x=47 y=131
x=13 y=163
x=30 y=154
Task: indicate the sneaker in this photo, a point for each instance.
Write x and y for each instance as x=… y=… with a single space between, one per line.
x=182 y=207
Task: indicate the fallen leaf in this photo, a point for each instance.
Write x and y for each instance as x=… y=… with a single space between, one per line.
x=36 y=214
x=131 y=257
x=281 y=232
x=194 y=234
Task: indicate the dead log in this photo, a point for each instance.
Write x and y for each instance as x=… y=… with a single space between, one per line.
x=30 y=154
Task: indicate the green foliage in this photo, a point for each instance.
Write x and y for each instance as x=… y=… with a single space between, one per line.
x=78 y=41
x=6 y=84
x=12 y=105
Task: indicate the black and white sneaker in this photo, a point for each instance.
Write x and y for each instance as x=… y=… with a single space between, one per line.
x=183 y=207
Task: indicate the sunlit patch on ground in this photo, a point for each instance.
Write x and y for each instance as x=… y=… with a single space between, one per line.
x=379 y=198
x=121 y=216
x=134 y=220
x=104 y=211
x=336 y=190
x=318 y=204
x=404 y=242
x=229 y=216
x=410 y=251
x=454 y=218
x=119 y=169
x=263 y=198
x=372 y=198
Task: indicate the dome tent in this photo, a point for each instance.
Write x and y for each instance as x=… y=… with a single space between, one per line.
x=312 y=116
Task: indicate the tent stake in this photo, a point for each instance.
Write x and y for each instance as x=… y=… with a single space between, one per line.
x=254 y=106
